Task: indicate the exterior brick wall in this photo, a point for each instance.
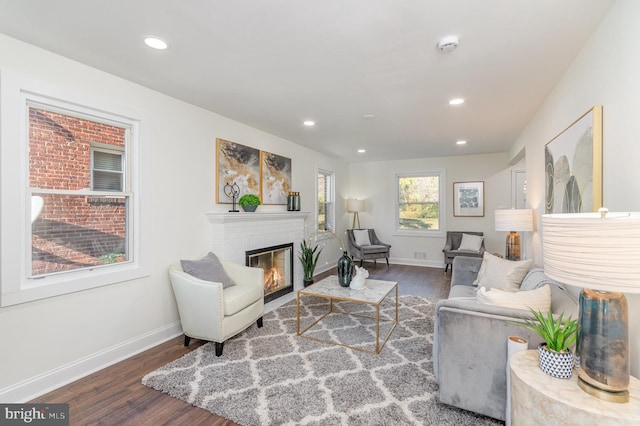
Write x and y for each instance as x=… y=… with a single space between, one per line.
x=72 y=231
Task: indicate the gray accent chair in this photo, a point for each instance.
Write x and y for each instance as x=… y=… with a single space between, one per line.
x=452 y=244
x=377 y=249
x=470 y=339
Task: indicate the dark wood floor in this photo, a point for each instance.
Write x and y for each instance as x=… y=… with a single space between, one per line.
x=116 y=396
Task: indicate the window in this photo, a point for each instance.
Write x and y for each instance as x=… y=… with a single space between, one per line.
x=60 y=232
x=77 y=179
x=325 y=216
x=107 y=168
x=420 y=203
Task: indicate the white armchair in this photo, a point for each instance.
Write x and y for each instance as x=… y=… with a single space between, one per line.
x=209 y=312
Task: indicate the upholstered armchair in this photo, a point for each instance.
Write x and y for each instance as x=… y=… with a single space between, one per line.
x=365 y=245
x=210 y=312
x=452 y=246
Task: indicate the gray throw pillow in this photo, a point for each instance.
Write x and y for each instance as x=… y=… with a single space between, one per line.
x=208 y=268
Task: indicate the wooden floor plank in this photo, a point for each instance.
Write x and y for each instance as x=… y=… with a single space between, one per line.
x=116 y=396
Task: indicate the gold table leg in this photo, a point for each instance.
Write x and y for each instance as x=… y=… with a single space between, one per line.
x=378 y=347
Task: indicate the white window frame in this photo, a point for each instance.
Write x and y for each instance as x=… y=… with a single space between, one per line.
x=16 y=284
x=330 y=205
x=442 y=209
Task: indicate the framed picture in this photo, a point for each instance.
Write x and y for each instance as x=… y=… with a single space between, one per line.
x=468 y=199
x=276 y=178
x=236 y=164
x=573 y=166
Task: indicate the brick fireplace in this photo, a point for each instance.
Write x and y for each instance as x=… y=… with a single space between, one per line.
x=235 y=234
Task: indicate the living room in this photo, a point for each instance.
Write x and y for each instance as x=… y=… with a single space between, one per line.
x=54 y=340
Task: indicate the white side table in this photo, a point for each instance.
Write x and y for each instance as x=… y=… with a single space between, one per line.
x=537 y=398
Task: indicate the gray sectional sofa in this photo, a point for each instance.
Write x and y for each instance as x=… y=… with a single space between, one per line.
x=470 y=339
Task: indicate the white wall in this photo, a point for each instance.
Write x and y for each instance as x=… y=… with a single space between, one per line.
x=607 y=73
x=49 y=341
x=375 y=182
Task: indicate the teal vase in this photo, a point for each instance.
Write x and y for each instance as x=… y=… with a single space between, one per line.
x=345 y=270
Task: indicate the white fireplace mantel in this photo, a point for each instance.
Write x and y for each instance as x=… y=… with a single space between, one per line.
x=229 y=217
x=233 y=234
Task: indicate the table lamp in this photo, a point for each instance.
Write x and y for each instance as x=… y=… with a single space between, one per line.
x=354 y=205
x=599 y=252
x=513 y=220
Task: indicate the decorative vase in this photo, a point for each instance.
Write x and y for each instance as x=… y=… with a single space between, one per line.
x=290 y=205
x=345 y=270
x=307 y=283
x=249 y=208
x=296 y=201
x=556 y=364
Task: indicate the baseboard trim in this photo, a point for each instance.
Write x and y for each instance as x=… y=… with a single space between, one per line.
x=414 y=262
x=53 y=379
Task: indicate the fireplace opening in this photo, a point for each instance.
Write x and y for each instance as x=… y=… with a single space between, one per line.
x=277 y=263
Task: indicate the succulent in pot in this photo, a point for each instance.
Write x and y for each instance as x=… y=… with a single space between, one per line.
x=309 y=258
x=555 y=356
x=249 y=202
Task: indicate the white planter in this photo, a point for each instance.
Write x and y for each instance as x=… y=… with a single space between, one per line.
x=556 y=364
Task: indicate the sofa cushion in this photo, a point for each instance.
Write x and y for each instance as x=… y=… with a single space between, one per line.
x=535 y=278
x=374 y=248
x=538 y=299
x=564 y=298
x=457 y=253
x=239 y=297
x=362 y=237
x=563 y=302
x=462 y=291
x=471 y=243
x=208 y=268
x=501 y=273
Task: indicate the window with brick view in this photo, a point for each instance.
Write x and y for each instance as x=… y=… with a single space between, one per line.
x=81 y=225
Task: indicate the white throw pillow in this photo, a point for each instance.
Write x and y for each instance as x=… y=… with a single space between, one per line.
x=501 y=273
x=471 y=242
x=362 y=237
x=538 y=299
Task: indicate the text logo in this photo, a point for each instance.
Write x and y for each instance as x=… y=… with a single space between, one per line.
x=34 y=414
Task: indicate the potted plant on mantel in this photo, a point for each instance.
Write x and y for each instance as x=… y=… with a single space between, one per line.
x=555 y=356
x=249 y=202
x=309 y=258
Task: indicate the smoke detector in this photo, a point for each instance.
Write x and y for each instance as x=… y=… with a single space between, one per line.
x=448 y=44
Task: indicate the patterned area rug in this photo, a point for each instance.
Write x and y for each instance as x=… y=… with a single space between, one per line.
x=270 y=376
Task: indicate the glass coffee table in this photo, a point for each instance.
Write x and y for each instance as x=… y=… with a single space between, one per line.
x=375 y=292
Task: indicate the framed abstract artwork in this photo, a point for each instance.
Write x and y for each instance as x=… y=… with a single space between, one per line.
x=573 y=166
x=275 y=178
x=236 y=164
x=468 y=199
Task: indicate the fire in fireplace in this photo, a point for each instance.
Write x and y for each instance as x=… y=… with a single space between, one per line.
x=277 y=263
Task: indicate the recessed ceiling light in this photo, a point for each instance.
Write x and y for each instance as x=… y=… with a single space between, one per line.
x=448 y=44
x=461 y=142
x=368 y=116
x=456 y=101
x=309 y=123
x=362 y=151
x=155 y=43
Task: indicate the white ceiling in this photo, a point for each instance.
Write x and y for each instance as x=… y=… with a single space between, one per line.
x=272 y=64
